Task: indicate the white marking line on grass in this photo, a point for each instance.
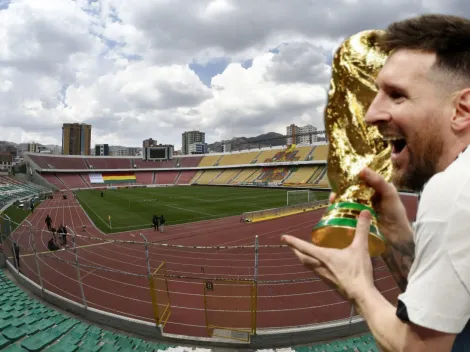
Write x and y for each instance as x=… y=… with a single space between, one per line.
x=224 y=199
x=193 y=211
x=99 y=217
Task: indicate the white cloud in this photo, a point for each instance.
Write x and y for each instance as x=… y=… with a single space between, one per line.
x=123 y=66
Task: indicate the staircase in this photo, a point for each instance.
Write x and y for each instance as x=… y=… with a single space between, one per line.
x=177 y=178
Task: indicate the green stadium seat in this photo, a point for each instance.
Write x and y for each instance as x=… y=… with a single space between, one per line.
x=28 y=325
x=14 y=348
x=4 y=342
x=13 y=334
x=62 y=346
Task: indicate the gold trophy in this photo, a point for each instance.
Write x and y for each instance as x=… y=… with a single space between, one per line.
x=353 y=144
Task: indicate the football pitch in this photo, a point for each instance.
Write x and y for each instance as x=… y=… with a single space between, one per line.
x=134 y=208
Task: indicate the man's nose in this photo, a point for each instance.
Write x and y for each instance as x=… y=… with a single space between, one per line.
x=377 y=113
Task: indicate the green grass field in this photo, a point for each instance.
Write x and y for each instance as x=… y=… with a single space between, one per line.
x=133 y=208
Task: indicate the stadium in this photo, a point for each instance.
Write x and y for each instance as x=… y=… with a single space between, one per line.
x=214 y=275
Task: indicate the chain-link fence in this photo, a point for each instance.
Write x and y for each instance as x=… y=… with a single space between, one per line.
x=223 y=291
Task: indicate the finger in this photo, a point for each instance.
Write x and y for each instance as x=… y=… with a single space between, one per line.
x=361 y=237
x=377 y=182
x=306 y=248
x=332 y=197
x=315 y=265
x=312 y=263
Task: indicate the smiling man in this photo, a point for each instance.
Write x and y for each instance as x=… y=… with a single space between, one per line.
x=423 y=108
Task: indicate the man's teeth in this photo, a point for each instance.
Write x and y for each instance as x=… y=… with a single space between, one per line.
x=391 y=139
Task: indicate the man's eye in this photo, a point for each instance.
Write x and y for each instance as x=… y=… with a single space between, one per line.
x=396 y=95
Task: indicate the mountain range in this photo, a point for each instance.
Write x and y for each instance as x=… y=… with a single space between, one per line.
x=269 y=139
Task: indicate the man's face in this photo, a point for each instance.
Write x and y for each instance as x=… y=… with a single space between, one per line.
x=411 y=111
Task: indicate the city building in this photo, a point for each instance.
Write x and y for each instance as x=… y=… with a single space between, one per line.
x=38 y=148
x=226 y=147
x=301 y=135
x=197 y=148
x=132 y=151
x=76 y=139
x=149 y=143
x=101 y=149
x=191 y=137
x=8 y=148
x=6 y=161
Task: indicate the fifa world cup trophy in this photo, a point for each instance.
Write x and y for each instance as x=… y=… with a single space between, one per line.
x=353 y=144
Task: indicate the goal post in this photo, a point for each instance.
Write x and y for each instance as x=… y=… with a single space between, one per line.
x=300 y=196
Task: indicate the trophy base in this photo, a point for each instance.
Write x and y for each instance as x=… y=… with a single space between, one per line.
x=338 y=226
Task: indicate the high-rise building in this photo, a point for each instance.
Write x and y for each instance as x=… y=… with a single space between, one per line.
x=191 y=137
x=76 y=139
x=149 y=143
x=301 y=135
x=101 y=149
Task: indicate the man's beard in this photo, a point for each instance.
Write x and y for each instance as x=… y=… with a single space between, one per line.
x=422 y=163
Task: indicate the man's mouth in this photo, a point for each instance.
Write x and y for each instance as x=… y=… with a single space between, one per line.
x=397 y=143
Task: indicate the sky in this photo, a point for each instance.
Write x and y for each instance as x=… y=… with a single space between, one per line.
x=138 y=69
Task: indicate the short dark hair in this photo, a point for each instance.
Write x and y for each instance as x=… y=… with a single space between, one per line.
x=446 y=36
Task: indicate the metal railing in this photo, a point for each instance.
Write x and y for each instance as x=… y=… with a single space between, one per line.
x=267 y=214
x=230 y=292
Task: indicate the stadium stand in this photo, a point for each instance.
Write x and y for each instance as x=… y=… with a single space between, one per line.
x=185 y=177
x=26 y=324
x=51 y=162
x=109 y=163
x=238 y=159
x=302 y=166
x=209 y=160
x=144 y=164
x=12 y=189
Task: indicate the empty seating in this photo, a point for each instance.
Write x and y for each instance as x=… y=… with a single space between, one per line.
x=295 y=175
x=145 y=164
x=28 y=325
x=72 y=180
x=109 y=163
x=320 y=152
x=186 y=177
x=165 y=177
x=207 y=176
x=144 y=177
x=238 y=158
x=59 y=162
x=225 y=177
x=300 y=175
x=209 y=160
x=273 y=174
x=191 y=161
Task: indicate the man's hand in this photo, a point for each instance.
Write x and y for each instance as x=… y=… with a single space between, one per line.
x=392 y=217
x=393 y=224
x=391 y=213
x=349 y=269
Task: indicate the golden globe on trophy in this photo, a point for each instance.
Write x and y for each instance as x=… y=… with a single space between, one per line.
x=353 y=144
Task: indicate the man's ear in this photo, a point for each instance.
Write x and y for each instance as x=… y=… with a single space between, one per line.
x=461 y=116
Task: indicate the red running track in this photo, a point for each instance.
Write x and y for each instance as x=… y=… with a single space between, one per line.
x=279 y=304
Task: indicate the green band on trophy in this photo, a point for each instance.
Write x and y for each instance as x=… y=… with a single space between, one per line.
x=352 y=223
x=352 y=206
